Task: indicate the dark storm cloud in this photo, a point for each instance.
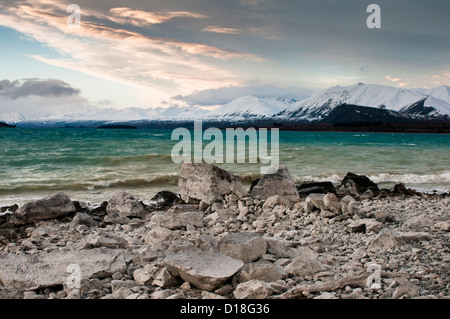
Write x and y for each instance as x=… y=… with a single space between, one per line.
x=36 y=87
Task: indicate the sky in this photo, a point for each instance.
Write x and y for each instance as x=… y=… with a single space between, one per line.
x=205 y=53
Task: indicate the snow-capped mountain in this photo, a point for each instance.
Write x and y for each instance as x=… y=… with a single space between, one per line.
x=11 y=118
x=426 y=103
x=399 y=103
x=247 y=107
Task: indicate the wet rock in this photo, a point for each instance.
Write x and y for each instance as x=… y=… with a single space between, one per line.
x=305 y=189
x=166 y=199
x=354 y=184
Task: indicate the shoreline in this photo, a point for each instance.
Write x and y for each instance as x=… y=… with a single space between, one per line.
x=274 y=241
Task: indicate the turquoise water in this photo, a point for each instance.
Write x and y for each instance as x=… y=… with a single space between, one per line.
x=92 y=164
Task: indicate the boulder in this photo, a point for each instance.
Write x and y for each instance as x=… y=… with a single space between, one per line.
x=108 y=241
x=50 y=207
x=331 y=202
x=207 y=183
x=126 y=205
x=244 y=246
x=279 y=183
x=203 y=269
x=48 y=269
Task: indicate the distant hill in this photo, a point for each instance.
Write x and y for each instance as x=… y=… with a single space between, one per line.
x=6 y=125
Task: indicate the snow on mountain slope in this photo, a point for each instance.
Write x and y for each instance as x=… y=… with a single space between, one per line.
x=319 y=106
x=251 y=107
x=126 y=115
x=11 y=118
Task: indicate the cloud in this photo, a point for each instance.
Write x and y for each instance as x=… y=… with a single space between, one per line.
x=36 y=87
x=143 y=18
x=222 y=30
x=34 y=98
x=159 y=66
x=389 y=78
x=226 y=94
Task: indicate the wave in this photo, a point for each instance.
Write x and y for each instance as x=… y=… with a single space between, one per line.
x=117 y=160
x=436 y=178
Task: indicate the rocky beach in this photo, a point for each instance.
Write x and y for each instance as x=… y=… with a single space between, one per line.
x=214 y=239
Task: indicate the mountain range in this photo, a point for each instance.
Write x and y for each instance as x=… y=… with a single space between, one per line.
x=358 y=102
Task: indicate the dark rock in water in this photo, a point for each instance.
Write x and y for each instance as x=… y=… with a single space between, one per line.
x=354 y=184
x=400 y=189
x=166 y=199
x=305 y=189
x=12 y=208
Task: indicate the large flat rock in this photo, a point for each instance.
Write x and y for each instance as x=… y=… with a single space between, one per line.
x=30 y=272
x=203 y=269
x=279 y=183
x=245 y=246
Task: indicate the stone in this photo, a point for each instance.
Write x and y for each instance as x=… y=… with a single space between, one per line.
x=50 y=207
x=254 y=289
x=109 y=241
x=261 y=270
x=307 y=188
x=443 y=226
x=418 y=222
x=279 y=183
x=165 y=199
x=354 y=184
x=316 y=200
x=144 y=276
x=245 y=246
x=177 y=221
x=159 y=234
x=126 y=205
x=364 y=225
x=207 y=183
x=331 y=202
x=406 y=289
x=206 y=242
x=165 y=279
x=202 y=269
x=303 y=266
x=48 y=269
x=83 y=219
x=386 y=239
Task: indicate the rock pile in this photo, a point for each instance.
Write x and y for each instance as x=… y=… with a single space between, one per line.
x=216 y=240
